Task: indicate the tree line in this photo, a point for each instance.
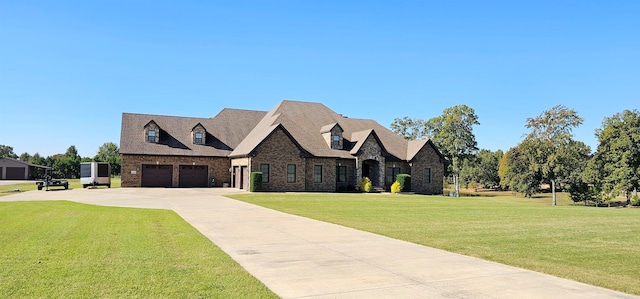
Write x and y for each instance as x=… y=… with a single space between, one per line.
x=548 y=155
x=67 y=165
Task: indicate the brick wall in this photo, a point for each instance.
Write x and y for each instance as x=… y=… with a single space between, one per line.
x=218 y=168
x=328 y=183
x=351 y=174
x=427 y=158
x=371 y=150
x=278 y=151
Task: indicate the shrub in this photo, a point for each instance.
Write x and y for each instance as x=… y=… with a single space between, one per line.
x=405 y=182
x=395 y=187
x=365 y=185
x=255 y=184
x=635 y=200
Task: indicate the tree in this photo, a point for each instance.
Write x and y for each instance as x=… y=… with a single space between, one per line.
x=615 y=167
x=25 y=157
x=7 y=152
x=67 y=165
x=109 y=152
x=452 y=133
x=483 y=169
x=38 y=160
x=551 y=131
x=516 y=170
x=408 y=128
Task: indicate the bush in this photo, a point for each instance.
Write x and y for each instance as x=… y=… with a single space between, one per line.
x=255 y=184
x=405 y=182
x=635 y=200
x=365 y=185
x=395 y=187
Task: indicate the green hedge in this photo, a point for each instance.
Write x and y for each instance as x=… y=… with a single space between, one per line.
x=405 y=182
x=255 y=184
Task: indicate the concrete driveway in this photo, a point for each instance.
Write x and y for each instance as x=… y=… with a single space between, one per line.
x=298 y=257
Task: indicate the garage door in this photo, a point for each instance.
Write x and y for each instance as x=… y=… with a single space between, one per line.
x=15 y=173
x=193 y=176
x=157 y=175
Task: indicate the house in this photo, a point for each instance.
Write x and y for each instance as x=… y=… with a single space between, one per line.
x=298 y=146
x=13 y=169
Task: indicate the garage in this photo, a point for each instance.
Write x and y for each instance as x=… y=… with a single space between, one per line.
x=16 y=173
x=193 y=176
x=157 y=175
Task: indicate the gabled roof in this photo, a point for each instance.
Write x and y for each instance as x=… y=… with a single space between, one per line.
x=198 y=124
x=416 y=145
x=305 y=121
x=329 y=127
x=224 y=132
x=24 y=163
x=361 y=137
x=237 y=133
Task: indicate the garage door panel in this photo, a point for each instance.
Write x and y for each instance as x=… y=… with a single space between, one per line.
x=193 y=176
x=15 y=173
x=157 y=175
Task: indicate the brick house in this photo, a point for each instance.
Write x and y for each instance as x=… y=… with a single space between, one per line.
x=298 y=146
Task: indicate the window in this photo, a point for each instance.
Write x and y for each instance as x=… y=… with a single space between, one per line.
x=198 y=138
x=342 y=174
x=392 y=172
x=317 y=173
x=151 y=136
x=264 y=168
x=291 y=173
x=335 y=141
x=427 y=175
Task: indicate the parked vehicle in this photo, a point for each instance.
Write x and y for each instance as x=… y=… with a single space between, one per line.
x=95 y=174
x=49 y=181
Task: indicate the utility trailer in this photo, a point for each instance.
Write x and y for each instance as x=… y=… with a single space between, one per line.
x=49 y=181
x=95 y=174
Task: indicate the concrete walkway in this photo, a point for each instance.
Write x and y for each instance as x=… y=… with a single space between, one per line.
x=298 y=257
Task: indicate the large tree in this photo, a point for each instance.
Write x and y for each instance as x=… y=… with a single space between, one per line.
x=517 y=171
x=452 y=133
x=66 y=165
x=551 y=132
x=109 y=152
x=615 y=167
x=7 y=152
x=408 y=128
x=482 y=168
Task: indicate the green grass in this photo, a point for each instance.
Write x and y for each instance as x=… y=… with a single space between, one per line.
x=31 y=185
x=598 y=246
x=62 y=249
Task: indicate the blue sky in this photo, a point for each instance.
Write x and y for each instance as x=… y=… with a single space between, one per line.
x=69 y=69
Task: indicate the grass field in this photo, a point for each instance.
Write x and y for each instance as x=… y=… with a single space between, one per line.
x=31 y=185
x=598 y=246
x=69 y=250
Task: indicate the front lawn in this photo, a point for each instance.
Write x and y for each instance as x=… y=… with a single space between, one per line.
x=31 y=185
x=62 y=249
x=598 y=246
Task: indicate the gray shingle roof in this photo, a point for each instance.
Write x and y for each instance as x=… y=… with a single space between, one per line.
x=237 y=133
x=224 y=132
x=305 y=121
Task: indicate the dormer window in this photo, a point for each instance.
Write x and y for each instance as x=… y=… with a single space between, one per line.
x=333 y=135
x=335 y=141
x=151 y=136
x=198 y=134
x=152 y=132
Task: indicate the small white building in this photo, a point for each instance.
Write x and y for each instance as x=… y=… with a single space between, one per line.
x=13 y=169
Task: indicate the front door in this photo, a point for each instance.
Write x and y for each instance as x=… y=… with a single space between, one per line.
x=365 y=171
